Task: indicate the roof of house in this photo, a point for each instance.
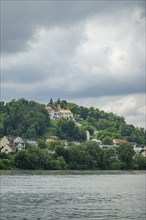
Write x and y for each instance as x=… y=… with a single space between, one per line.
x=65 y=111
x=11 y=138
x=4 y=141
x=48 y=107
x=119 y=141
x=53 y=137
x=11 y=146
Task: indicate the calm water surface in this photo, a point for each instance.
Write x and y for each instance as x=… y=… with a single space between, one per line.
x=51 y=196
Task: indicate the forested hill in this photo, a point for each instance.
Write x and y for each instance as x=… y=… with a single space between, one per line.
x=29 y=119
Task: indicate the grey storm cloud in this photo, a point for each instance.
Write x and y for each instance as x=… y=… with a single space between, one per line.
x=72 y=49
x=88 y=52
x=20 y=19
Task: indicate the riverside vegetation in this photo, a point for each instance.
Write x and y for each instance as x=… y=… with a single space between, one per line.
x=29 y=119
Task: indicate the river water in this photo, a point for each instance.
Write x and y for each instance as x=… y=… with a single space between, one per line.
x=64 y=196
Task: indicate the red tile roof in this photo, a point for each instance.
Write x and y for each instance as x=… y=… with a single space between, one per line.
x=64 y=111
x=48 y=107
x=119 y=141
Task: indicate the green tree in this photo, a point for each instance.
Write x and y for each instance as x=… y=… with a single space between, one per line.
x=67 y=129
x=107 y=140
x=21 y=159
x=126 y=154
x=94 y=151
x=108 y=157
x=140 y=162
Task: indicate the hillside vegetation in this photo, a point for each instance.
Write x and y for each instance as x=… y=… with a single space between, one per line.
x=29 y=119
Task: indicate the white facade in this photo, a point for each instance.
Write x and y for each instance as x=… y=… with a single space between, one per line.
x=65 y=113
x=97 y=141
x=19 y=143
x=137 y=149
x=6 y=149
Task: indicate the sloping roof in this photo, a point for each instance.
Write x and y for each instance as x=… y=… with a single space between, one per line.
x=65 y=111
x=119 y=141
x=54 y=137
x=4 y=141
x=13 y=147
x=10 y=146
x=11 y=138
x=48 y=107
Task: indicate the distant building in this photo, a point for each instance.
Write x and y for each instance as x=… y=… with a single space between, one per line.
x=119 y=141
x=106 y=146
x=137 y=148
x=30 y=142
x=11 y=144
x=52 y=138
x=9 y=148
x=97 y=141
x=64 y=113
x=20 y=144
x=55 y=111
x=51 y=111
x=4 y=141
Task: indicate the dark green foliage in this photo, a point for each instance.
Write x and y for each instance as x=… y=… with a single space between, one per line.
x=140 y=162
x=32 y=158
x=23 y=118
x=126 y=154
x=108 y=157
x=29 y=119
x=58 y=164
x=67 y=129
x=5 y=164
x=118 y=165
x=107 y=140
x=57 y=156
x=94 y=151
x=6 y=161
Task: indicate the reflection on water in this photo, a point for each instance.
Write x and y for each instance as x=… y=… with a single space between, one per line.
x=91 y=196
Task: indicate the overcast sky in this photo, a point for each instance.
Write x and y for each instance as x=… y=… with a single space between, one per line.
x=88 y=52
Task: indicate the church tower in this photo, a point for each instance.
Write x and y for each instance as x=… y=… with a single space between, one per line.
x=51 y=102
x=58 y=104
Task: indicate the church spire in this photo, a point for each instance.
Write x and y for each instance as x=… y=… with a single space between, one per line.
x=51 y=101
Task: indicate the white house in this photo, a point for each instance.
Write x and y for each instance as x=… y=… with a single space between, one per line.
x=9 y=148
x=137 y=149
x=51 y=111
x=65 y=113
x=19 y=143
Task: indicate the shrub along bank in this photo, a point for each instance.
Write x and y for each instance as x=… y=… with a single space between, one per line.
x=86 y=156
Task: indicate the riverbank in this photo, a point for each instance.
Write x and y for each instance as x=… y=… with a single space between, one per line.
x=69 y=172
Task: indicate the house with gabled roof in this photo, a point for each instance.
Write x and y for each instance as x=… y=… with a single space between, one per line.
x=51 y=110
x=55 y=112
x=9 y=148
x=20 y=144
x=65 y=113
x=4 y=141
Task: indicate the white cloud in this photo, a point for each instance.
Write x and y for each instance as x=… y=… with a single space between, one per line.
x=131 y=107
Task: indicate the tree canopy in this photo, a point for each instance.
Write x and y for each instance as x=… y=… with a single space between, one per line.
x=30 y=119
